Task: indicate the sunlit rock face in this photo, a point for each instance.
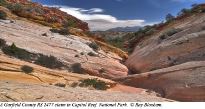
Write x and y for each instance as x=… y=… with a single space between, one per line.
x=186 y=45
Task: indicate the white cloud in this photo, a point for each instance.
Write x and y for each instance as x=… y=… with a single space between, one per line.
x=99 y=21
x=104 y=24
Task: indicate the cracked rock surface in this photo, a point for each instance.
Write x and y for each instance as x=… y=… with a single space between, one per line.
x=68 y=49
x=13 y=91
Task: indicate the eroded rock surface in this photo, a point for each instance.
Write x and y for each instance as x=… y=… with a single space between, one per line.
x=186 y=45
x=13 y=91
x=16 y=85
x=183 y=82
x=69 y=49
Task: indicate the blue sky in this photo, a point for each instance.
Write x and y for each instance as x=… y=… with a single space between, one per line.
x=105 y=14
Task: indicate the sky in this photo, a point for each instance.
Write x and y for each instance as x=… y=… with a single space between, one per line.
x=106 y=14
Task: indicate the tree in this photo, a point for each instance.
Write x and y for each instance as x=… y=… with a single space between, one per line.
x=184 y=11
x=169 y=17
x=194 y=5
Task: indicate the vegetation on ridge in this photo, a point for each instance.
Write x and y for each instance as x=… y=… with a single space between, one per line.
x=48 y=16
x=133 y=39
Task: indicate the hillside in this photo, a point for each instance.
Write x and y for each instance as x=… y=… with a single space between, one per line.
x=45 y=84
x=169 y=58
x=124 y=29
x=40 y=64
x=49 y=55
x=44 y=15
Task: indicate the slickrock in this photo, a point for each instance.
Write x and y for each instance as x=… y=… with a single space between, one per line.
x=29 y=36
x=15 y=85
x=14 y=91
x=187 y=45
x=184 y=82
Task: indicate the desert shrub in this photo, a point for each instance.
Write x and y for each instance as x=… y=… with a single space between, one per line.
x=3 y=2
x=49 y=62
x=169 y=33
x=2 y=43
x=54 y=30
x=77 y=56
x=184 y=12
x=77 y=68
x=117 y=42
x=17 y=52
x=60 y=84
x=3 y=15
x=162 y=37
x=15 y=8
x=44 y=34
x=62 y=31
x=172 y=31
x=70 y=23
x=82 y=53
x=94 y=46
x=95 y=83
x=74 y=84
x=169 y=17
x=27 y=69
x=203 y=11
x=91 y=54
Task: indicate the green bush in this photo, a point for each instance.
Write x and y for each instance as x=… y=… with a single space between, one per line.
x=94 y=46
x=15 y=8
x=184 y=12
x=95 y=83
x=49 y=62
x=60 y=84
x=162 y=37
x=54 y=30
x=117 y=42
x=3 y=15
x=2 y=43
x=172 y=31
x=3 y=2
x=27 y=69
x=62 y=31
x=82 y=53
x=70 y=23
x=77 y=68
x=17 y=52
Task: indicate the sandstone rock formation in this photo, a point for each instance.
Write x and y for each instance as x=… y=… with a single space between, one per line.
x=179 y=44
x=183 y=82
x=15 y=92
x=186 y=45
x=15 y=85
x=29 y=36
x=49 y=16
